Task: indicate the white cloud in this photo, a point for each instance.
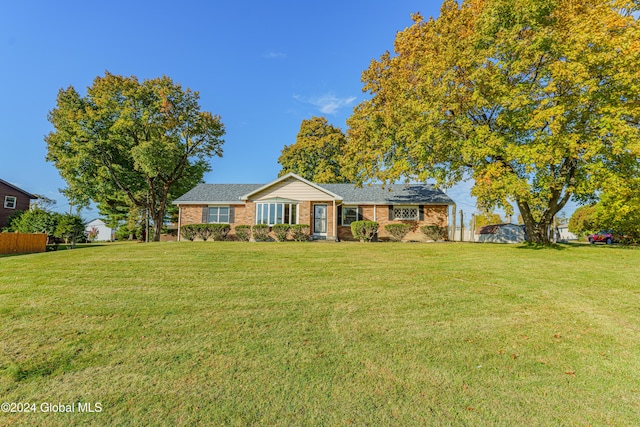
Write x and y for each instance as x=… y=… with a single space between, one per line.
x=272 y=54
x=328 y=103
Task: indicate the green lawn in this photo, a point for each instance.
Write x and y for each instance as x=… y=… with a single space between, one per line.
x=323 y=334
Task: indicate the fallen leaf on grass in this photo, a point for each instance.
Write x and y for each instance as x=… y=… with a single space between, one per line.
x=570 y=373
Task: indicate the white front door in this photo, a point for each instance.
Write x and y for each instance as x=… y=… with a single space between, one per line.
x=320 y=220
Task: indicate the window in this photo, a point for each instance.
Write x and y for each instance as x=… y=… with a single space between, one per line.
x=219 y=215
x=276 y=213
x=10 y=202
x=351 y=214
x=405 y=213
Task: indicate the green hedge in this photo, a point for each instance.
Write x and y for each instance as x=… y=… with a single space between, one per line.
x=365 y=231
x=205 y=231
x=435 y=232
x=300 y=232
x=397 y=231
x=281 y=231
x=261 y=232
x=243 y=232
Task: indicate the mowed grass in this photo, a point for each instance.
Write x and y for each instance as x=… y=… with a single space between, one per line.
x=202 y=333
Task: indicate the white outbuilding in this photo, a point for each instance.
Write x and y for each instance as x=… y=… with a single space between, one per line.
x=104 y=233
x=500 y=233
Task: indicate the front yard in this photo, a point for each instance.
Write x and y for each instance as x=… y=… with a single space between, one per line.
x=230 y=333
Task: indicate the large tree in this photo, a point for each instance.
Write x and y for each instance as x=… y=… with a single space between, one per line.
x=536 y=100
x=317 y=152
x=148 y=141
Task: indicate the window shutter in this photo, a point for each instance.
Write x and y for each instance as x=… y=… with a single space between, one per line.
x=205 y=215
x=231 y=214
x=339 y=214
x=360 y=217
x=421 y=211
x=390 y=213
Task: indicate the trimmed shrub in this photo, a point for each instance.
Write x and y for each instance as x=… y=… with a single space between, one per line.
x=189 y=231
x=397 y=231
x=203 y=231
x=365 y=231
x=300 y=232
x=261 y=232
x=434 y=232
x=219 y=231
x=243 y=232
x=281 y=231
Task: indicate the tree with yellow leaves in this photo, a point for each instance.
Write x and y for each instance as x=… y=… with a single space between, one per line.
x=537 y=101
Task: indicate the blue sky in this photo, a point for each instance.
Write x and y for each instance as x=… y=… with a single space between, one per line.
x=262 y=66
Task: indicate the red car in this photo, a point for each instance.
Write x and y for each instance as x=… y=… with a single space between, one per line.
x=601 y=237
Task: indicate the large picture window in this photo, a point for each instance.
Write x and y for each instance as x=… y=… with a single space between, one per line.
x=10 y=202
x=276 y=213
x=405 y=213
x=218 y=215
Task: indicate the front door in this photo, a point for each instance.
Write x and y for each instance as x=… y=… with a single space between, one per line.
x=320 y=220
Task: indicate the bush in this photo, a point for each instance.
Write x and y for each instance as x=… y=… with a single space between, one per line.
x=281 y=231
x=261 y=232
x=203 y=231
x=219 y=231
x=434 y=232
x=365 y=231
x=243 y=232
x=300 y=232
x=189 y=231
x=397 y=231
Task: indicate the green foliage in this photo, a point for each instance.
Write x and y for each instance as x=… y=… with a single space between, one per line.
x=34 y=221
x=70 y=228
x=261 y=232
x=583 y=221
x=536 y=100
x=216 y=232
x=397 y=231
x=126 y=232
x=434 y=232
x=281 y=231
x=189 y=231
x=365 y=231
x=487 y=218
x=300 y=232
x=317 y=153
x=243 y=232
x=219 y=232
x=147 y=142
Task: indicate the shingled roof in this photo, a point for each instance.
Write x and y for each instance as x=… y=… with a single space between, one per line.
x=395 y=194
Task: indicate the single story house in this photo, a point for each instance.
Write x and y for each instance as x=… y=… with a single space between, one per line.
x=12 y=199
x=328 y=209
x=104 y=233
x=500 y=233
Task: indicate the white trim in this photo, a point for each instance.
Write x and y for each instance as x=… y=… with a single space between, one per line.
x=287 y=176
x=15 y=202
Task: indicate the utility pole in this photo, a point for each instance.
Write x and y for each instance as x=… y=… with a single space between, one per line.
x=461 y=226
x=473 y=227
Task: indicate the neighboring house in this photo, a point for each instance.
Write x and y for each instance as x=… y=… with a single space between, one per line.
x=563 y=233
x=500 y=233
x=328 y=209
x=12 y=199
x=105 y=233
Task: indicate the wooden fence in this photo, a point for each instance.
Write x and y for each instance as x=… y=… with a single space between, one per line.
x=17 y=243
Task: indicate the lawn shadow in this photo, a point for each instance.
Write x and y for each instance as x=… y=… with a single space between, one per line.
x=537 y=246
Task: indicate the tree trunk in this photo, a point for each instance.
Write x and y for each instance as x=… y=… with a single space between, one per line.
x=158 y=219
x=537 y=231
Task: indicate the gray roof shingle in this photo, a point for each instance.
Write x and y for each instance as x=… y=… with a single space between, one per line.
x=369 y=194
